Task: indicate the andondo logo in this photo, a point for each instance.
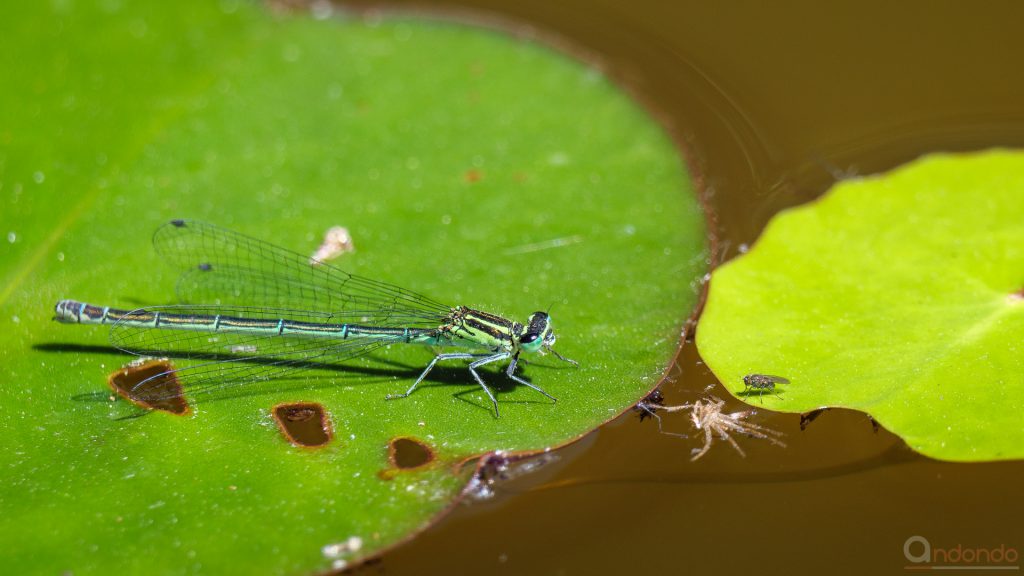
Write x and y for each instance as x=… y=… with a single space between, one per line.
x=921 y=555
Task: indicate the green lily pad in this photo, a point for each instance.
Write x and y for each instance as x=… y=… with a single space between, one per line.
x=899 y=295
x=474 y=168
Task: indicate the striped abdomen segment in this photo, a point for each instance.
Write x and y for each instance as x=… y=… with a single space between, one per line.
x=74 y=312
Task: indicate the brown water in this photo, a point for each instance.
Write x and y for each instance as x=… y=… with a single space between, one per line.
x=774 y=102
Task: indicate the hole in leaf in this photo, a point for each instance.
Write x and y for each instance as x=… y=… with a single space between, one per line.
x=303 y=423
x=161 y=390
x=407 y=453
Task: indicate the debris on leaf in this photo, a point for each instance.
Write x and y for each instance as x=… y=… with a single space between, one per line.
x=337 y=551
x=337 y=241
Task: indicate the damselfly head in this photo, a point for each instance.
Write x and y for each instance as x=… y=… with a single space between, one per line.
x=538 y=334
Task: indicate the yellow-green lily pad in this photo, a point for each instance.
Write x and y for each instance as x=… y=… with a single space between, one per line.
x=899 y=295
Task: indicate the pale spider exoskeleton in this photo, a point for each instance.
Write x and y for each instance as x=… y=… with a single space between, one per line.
x=706 y=414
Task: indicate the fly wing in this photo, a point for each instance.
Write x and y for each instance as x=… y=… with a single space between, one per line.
x=221 y=266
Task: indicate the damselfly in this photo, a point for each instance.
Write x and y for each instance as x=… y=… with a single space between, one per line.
x=273 y=313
